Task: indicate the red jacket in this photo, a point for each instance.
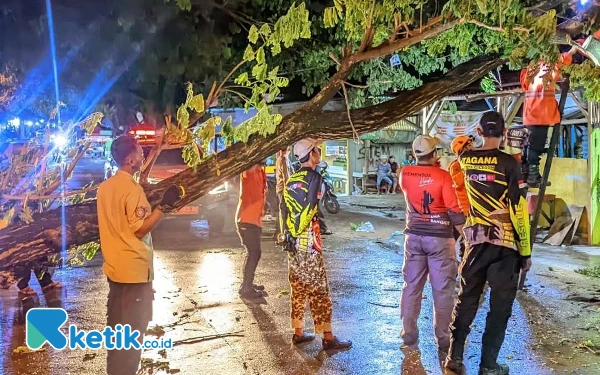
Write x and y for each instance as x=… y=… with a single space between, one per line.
x=431 y=205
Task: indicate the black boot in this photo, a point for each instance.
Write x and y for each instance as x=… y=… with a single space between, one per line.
x=524 y=171
x=499 y=369
x=534 y=179
x=454 y=366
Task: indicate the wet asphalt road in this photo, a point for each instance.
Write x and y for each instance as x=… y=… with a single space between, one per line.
x=196 y=298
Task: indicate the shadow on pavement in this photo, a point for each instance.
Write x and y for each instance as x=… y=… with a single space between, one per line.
x=281 y=347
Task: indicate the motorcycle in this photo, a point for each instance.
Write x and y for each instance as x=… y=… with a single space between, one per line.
x=110 y=168
x=329 y=199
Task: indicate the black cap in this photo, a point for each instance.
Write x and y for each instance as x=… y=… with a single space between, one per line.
x=492 y=124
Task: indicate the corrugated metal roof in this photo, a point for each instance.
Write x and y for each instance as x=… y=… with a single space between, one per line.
x=401 y=126
x=404 y=124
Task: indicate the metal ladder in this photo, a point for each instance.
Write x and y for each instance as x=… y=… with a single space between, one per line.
x=564 y=90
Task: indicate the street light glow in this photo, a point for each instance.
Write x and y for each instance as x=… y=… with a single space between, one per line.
x=16 y=122
x=60 y=141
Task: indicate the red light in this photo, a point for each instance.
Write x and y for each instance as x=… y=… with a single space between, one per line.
x=143 y=132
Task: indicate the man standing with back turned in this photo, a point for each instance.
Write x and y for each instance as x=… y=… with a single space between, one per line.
x=497 y=234
x=432 y=212
x=125 y=220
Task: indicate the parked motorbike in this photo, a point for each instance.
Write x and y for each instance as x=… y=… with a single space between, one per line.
x=110 y=168
x=329 y=199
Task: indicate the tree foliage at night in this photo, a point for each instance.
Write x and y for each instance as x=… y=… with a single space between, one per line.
x=342 y=49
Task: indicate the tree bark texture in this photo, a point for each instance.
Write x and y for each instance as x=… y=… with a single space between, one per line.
x=23 y=245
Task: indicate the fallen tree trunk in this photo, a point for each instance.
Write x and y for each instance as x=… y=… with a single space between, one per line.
x=24 y=245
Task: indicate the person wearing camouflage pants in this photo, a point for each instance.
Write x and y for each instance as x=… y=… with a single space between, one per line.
x=308 y=280
x=307 y=275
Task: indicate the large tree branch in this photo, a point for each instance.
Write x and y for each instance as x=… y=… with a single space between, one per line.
x=347 y=64
x=388 y=48
x=23 y=245
x=335 y=124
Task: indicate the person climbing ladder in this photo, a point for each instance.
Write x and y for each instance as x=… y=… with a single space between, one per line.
x=540 y=111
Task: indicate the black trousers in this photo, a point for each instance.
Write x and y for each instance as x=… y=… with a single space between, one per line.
x=250 y=237
x=536 y=144
x=128 y=304
x=499 y=266
x=42 y=274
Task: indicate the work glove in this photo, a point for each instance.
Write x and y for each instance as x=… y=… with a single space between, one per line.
x=171 y=196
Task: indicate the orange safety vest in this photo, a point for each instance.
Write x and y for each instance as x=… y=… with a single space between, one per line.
x=458 y=179
x=540 y=106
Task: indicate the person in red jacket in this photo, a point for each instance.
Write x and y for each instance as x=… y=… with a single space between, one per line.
x=540 y=110
x=432 y=212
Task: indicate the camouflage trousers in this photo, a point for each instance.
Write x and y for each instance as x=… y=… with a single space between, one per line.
x=308 y=281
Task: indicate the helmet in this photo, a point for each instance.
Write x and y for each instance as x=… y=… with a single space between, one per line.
x=461 y=144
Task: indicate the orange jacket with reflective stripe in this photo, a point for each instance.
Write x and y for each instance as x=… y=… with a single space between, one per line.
x=458 y=179
x=540 y=106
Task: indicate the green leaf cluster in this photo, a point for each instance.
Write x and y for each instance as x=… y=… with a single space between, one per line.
x=586 y=75
x=79 y=255
x=256 y=87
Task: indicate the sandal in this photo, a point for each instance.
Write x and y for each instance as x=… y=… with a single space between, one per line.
x=28 y=291
x=301 y=339
x=336 y=344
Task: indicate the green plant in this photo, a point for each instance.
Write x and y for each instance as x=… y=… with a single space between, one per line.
x=589 y=271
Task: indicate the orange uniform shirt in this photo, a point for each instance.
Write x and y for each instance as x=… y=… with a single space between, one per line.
x=431 y=204
x=253 y=188
x=458 y=179
x=541 y=107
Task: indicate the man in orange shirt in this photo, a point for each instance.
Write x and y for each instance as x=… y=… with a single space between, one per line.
x=540 y=110
x=125 y=220
x=459 y=145
x=249 y=217
x=432 y=212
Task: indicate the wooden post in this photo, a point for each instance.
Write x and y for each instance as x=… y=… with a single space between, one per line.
x=594 y=171
x=549 y=156
x=349 y=175
x=366 y=165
